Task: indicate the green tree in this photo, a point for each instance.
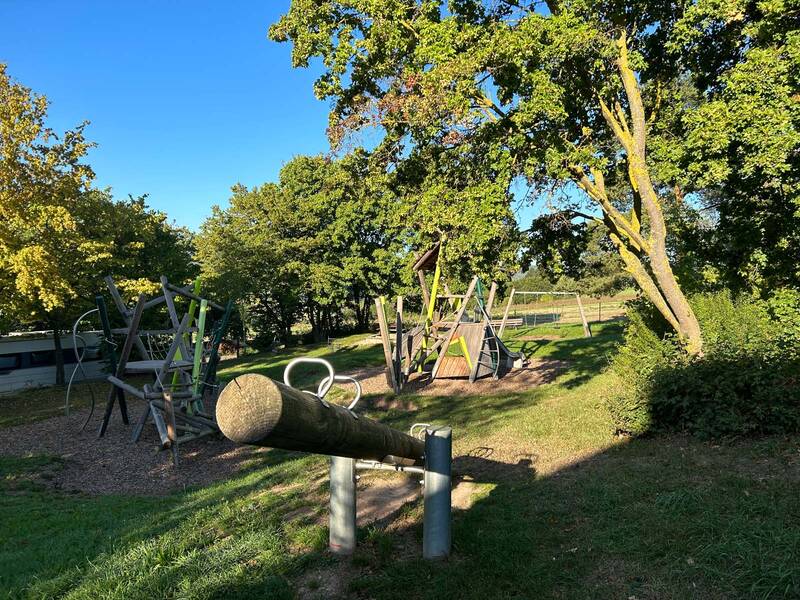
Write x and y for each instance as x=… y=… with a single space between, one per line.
x=580 y=94
x=448 y=193
x=318 y=246
x=570 y=256
x=739 y=132
x=59 y=236
x=240 y=250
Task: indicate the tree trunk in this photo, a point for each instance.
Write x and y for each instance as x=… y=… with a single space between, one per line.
x=363 y=315
x=59 y=354
x=315 y=318
x=659 y=283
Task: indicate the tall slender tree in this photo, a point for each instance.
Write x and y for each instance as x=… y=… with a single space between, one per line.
x=573 y=94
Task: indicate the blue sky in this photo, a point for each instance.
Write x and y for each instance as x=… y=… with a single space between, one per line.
x=185 y=98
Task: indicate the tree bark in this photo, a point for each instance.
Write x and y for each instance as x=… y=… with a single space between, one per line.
x=659 y=283
x=59 y=353
x=689 y=328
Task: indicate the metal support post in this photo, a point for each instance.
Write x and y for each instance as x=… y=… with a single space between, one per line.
x=343 y=505
x=436 y=520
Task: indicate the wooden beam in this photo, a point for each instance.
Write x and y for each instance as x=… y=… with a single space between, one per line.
x=398 y=345
x=173 y=317
x=490 y=301
x=385 y=339
x=126 y=314
x=133 y=391
x=426 y=295
x=120 y=372
x=172 y=428
x=586 y=331
x=186 y=293
x=505 y=314
x=173 y=350
x=159 y=299
x=254 y=409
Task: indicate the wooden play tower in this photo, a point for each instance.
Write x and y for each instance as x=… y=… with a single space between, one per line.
x=461 y=322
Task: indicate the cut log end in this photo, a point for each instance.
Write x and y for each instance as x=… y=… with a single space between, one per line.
x=253 y=409
x=249 y=408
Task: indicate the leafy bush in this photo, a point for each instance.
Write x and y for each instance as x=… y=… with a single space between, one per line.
x=746 y=382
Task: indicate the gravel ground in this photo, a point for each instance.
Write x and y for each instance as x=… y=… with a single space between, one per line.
x=115 y=465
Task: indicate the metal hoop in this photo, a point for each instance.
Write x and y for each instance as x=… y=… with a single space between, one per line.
x=326 y=383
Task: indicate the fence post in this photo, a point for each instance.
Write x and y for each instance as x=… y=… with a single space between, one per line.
x=586 y=331
x=342 y=538
x=436 y=520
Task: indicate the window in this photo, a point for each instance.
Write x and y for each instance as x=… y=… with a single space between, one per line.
x=9 y=362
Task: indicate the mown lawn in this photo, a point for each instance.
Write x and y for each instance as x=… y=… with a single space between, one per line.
x=561 y=508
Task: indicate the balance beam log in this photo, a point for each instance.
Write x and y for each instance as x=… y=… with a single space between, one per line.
x=254 y=409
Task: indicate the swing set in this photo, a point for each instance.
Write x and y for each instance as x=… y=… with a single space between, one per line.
x=536 y=316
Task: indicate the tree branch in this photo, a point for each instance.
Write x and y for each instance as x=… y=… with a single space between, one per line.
x=634 y=97
x=597 y=192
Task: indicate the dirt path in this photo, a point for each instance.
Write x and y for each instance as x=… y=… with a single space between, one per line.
x=114 y=464
x=538 y=372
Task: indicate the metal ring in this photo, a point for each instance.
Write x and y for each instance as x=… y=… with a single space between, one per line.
x=323 y=389
x=345 y=379
x=422 y=427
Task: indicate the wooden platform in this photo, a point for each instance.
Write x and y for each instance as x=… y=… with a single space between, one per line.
x=147 y=366
x=453 y=366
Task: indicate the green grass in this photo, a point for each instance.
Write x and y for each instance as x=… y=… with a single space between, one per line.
x=350 y=356
x=36 y=404
x=563 y=509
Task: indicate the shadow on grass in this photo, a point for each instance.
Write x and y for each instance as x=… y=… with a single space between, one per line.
x=654 y=518
x=345 y=358
x=663 y=518
x=94 y=544
x=585 y=356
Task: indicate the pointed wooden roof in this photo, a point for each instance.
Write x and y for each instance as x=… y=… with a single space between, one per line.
x=427 y=262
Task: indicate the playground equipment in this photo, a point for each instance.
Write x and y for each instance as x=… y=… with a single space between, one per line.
x=461 y=321
x=554 y=316
x=182 y=359
x=254 y=409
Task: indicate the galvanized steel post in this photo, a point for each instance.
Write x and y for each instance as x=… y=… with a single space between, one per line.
x=342 y=538
x=436 y=520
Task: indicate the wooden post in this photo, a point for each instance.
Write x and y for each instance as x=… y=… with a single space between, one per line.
x=108 y=342
x=398 y=344
x=133 y=329
x=490 y=301
x=387 y=344
x=505 y=313
x=210 y=374
x=198 y=346
x=172 y=352
x=183 y=352
x=586 y=331
x=426 y=296
x=172 y=429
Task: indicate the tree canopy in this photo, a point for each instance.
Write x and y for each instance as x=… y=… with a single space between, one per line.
x=617 y=98
x=60 y=236
x=316 y=245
